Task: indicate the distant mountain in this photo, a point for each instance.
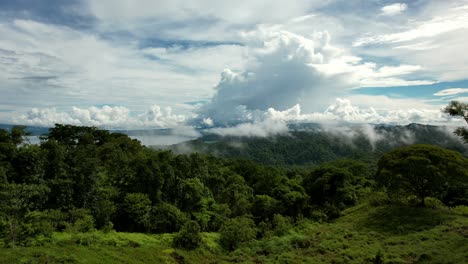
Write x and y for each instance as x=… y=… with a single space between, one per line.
x=147 y=137
x=313 y=143
x=306 y=143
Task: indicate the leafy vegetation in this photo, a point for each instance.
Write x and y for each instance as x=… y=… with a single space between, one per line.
x=86 y=195
x=425 y=171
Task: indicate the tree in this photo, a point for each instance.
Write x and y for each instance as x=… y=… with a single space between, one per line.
x=193 y=193
x=264 y=207
x=16 y=201
x=329 y=185
x=167 y=218
x=424 y=171
x=138 y=208
x=456 y=108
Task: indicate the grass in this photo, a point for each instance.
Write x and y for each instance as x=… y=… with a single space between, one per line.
x=364 y=234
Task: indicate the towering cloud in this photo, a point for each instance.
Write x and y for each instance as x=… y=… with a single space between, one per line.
x=284 y=69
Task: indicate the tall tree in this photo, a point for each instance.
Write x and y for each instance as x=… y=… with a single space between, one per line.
x=456 y=108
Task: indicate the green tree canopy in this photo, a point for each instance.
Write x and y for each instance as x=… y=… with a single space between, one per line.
x=424 y=171
x=236 y=231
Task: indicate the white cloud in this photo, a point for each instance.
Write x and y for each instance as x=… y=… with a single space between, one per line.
x=55 y=66
x=199 y=20
x=457 y=19
x=451 y=91
x=433 y=37
x=344 y=110
x=284 y=69
x=234 y=11
x=274 y=122
x=461 y=99
x=252 y=123
x=286 y=62
x=263 y=128
x=105 y=116
x=394 y=9
x=207 y=122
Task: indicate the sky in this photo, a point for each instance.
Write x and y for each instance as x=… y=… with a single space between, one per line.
x=231 y=66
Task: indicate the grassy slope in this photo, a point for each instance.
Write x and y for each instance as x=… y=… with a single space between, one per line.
x=402 y=235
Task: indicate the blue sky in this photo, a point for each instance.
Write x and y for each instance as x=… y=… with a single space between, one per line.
x=185 y=64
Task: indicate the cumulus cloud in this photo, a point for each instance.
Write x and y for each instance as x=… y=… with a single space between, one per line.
x=284 y=69
x=343 y=110
x=105 y=116
x=394 y=9
x=273 y=122
x=451 y=91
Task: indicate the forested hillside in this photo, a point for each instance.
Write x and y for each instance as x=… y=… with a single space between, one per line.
x=314 y=144
x=86 y=187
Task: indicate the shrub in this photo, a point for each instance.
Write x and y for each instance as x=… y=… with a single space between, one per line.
x=281 y=224
x=80 y=221
x=318 y=216
x=378 y=198
x=36 y=228
x=57 y=218
x=167 y=218
x=412 y=200
x=434 y=203
x=236 y=231
x=301 y=241
x=461 y=209
x=189 y=236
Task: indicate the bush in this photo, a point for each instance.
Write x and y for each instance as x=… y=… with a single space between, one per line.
x=378 y=198
x=80 y=221
x=301 y=241
x=281 y=224
x=412 y=200
x=461 y=209
x=189 y=236
x=58 y=219
x=434 y=203
x=236 y=231
x=36 y=229
x=167 y=218
x=319 y=216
